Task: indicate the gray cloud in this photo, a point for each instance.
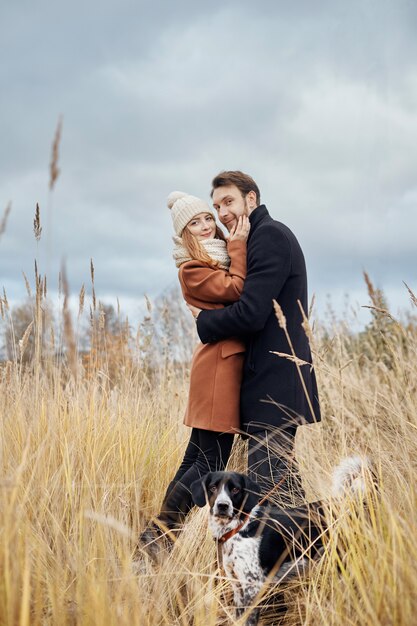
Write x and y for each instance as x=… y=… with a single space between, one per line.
x=316 y=100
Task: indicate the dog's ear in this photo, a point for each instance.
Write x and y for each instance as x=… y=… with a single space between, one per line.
x=252 y=494
x=199 y=490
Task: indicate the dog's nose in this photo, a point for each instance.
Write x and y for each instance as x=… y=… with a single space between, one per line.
x=222 y=507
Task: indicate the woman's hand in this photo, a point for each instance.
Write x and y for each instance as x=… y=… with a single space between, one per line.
x=240 y=232
x=196 y=312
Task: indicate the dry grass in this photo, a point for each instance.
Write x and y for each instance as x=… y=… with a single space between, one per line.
x=89 y=441
x=3 y=221
x=54 y=170
x=37 y=228
x=86 y=453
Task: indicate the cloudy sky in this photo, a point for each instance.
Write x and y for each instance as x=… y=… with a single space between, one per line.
x=316 y=100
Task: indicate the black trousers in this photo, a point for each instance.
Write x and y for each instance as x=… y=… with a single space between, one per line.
x=207 y=451
x=271 y=462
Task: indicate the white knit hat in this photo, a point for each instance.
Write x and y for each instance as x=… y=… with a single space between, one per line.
x=184 y=207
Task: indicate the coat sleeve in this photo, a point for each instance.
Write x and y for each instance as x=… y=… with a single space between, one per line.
x=269 y=265
x=216 y=285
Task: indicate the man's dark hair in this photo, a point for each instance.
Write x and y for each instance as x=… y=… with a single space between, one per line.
x=243 y=182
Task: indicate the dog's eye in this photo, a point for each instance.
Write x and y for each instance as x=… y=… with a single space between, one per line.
x=235 y=490
x=213 y=489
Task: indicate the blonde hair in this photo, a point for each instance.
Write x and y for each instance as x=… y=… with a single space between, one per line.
x=196 y=250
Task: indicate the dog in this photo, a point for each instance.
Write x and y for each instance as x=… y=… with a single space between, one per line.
x=257 y=542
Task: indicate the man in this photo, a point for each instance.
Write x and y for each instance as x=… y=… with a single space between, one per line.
x=277 y=393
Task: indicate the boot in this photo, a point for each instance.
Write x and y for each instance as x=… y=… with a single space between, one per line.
x=156 y=541
x=159 y=535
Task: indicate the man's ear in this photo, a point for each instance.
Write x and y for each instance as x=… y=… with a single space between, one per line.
x=199 y=490
x=251 y=200
x=252 y=494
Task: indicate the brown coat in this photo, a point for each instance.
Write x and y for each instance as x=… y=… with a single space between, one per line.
x=216 y=368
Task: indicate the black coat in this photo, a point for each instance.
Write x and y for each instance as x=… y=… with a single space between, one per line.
x=276 y=270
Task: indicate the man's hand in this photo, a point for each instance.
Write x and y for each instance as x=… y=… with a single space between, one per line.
x=194 y=310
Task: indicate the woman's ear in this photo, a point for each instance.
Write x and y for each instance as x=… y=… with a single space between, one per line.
x=199 y=490
x=252 y=490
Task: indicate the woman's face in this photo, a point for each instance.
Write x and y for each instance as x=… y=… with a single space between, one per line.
x=202 y=226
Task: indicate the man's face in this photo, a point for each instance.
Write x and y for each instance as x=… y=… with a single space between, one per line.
x=230 y=205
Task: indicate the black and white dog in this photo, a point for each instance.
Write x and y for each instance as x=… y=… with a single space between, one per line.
x=259 y=542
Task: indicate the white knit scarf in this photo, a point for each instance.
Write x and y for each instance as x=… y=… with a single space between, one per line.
x=215 y=248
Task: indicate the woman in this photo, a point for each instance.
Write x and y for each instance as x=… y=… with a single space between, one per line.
x=211 y=273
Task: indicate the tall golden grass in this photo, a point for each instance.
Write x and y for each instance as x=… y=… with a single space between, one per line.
x=87 y=450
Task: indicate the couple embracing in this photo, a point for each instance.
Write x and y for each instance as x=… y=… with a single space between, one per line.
x=237 y=383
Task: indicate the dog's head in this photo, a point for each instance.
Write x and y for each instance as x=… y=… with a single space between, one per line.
x=227 y=493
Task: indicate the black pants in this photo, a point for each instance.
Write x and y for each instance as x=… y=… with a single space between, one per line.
x=207 y=451
x=271 y=462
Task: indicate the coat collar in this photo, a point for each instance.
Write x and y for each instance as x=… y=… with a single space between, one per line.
x=257 y=216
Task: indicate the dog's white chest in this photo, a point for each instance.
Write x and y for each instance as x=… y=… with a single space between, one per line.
x=241 y=559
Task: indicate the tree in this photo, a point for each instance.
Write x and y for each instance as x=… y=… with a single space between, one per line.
x=109 y=343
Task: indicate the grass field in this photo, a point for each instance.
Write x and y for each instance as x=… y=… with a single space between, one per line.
x=89 y=442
